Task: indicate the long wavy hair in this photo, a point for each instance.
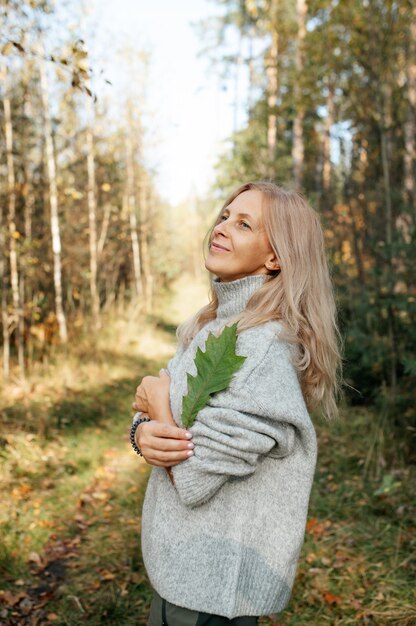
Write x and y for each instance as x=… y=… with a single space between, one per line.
x=299 y=295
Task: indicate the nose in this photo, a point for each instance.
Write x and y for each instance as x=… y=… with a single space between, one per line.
x=221 y=229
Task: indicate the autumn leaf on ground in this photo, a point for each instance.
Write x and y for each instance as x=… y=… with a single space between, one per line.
x=7 y=597
x=215 y=369
x=331 y=599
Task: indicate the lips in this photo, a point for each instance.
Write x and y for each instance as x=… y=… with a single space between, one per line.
x=217 y=245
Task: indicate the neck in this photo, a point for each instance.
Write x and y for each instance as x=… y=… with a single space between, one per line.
x=234 y=295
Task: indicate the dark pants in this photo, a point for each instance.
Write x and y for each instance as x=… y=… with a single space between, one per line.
x=163 y=613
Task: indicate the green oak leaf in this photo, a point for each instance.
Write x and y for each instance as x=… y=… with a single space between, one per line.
x=215 y=369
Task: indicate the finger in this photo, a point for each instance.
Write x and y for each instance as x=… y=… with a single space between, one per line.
x=164 y=372
x=166 y=459
x=138 y=407
x=159 y=429
x=161 y=464
x=158 y=444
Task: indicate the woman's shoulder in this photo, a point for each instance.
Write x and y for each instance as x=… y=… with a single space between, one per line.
x=259 y=338
x=264 y=344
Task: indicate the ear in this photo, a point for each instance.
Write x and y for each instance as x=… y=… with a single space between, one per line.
x=272 y=264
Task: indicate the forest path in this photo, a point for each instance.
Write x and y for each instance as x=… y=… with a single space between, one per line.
x=70 y=522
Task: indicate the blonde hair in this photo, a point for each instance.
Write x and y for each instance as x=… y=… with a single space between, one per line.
x=300 y=295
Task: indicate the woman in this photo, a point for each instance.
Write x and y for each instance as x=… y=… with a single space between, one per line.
x=222 y=528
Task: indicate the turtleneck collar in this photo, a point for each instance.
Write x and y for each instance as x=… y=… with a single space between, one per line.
x=234 y=295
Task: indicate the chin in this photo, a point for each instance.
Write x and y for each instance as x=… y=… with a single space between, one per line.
x=210 y=266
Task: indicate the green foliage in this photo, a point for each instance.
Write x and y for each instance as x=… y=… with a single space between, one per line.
x=215 y=369
x=358 y=122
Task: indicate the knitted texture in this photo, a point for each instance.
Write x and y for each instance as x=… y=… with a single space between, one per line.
x=226 y=538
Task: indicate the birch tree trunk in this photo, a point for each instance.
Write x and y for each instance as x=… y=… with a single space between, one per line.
x=29 y=196
x=131 y=207
x=28 y=159
x=14 y=235
x=144 y=244
x=4 y=311
x=298 y=144
x=92 y=212
x=272 y=85
x=104 y=229
x=53 y=202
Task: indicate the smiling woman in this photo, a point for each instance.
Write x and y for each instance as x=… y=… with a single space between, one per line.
x=222 y=529
x=239 y=245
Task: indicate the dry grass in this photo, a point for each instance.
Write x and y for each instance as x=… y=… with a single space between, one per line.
x=72 y=491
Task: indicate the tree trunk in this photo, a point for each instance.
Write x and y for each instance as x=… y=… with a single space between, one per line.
x=104 y=229
x=272 y=85
x=329 y=122
x=29 y=196
x=298 y=144
x=410 y=125
x=131 y=207
x=4 y=311
x=144 y=244
x=92 y=212
x=385 y=126
x=352 y=205
x=53 y=202
x=13 y=233
x=385 y=123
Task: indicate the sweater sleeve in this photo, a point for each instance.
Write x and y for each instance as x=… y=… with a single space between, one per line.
x=257 y=415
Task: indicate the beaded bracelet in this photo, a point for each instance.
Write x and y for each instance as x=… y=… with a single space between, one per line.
x=135 y=425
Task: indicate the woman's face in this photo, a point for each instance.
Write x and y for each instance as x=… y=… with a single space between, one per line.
x=239 y=246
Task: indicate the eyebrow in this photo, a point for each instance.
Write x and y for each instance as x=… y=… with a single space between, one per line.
x=241 y=215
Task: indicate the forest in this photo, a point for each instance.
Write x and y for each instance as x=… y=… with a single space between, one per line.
x=97 y=268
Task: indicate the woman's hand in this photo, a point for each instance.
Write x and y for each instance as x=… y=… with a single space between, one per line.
x=152 y=397
x=163 y=445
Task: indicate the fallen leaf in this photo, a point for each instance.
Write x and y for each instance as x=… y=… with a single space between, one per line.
x=331 y=599
x=311 y=557
x=9 y=598
x=316 y=528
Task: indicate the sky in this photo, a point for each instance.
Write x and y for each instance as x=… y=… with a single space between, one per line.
x=189 y=114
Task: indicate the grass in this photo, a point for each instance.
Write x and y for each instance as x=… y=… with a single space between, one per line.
x=358 y=562
x=72 y=491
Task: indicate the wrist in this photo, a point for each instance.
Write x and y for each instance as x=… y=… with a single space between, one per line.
x=137 y=421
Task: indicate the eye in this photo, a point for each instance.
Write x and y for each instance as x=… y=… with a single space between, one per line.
x=245 y=224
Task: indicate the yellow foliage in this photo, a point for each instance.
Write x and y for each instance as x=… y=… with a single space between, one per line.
x=346 y=252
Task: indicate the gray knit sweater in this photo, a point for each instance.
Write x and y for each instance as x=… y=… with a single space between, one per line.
x=226 y=538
